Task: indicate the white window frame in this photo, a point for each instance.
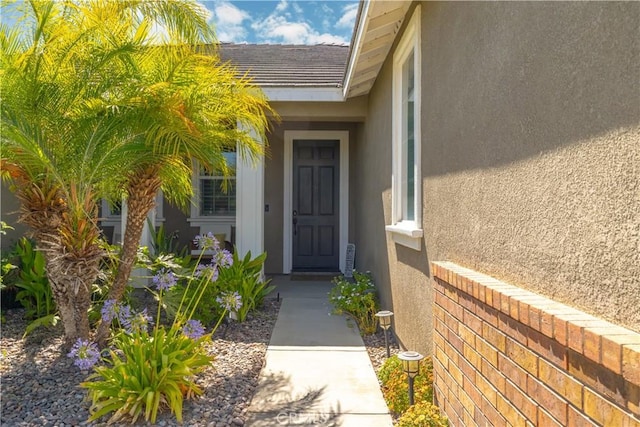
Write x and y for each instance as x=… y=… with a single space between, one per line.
x=195 y=207
x=407 y=232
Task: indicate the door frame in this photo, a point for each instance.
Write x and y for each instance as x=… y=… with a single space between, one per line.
x=287 y=239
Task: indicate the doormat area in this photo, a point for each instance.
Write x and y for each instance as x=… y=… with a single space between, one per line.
x=313 y=277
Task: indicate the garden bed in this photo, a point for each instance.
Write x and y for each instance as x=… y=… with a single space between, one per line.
x=40 y=383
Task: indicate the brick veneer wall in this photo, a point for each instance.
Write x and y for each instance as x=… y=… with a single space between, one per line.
x=506 y=356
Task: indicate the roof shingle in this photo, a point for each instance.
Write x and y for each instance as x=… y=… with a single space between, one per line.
x=289 y=65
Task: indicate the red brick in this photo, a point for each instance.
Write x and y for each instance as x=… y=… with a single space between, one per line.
x=472 y=391
x=603 y=411
x=560 y=382
x=548 y=348
x=534 y=317
x=487 y=351
x=466 y=301
x=525 y=405
x=488 y=314
x=451 y=322
x=575 y=329
x=456 y=342
x=631 y=363
x=467 y=335
x=633 y=396
x=612 y=347
x=467 y=369
x=494 y=337
x=512 y=371
x=522 y=356
x=546 y=420
x=560 y=329
x=488 y=296
x=514 y=307
x=511 y=414
x=597 y=377
x=592 y=345
x=472 y=356
x=495 y=377
x=512 y=328
x=492 y=414
x=547 y=399
x=486 y=389
x=523 y=312
x=451 y=292
x=576 y=418
x=455 y=372
x=473 y=322
x=546 y=323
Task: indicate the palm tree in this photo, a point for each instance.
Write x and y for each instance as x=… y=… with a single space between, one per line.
x=91 y=109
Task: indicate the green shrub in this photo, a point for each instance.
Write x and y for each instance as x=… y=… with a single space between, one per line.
x=244 y=276
x=357 y=299
x=144 y=371
x=395 y=387
x=34 y=290
x=423 y=414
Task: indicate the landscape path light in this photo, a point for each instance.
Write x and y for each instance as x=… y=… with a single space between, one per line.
x=385 y=323
x=411 y=366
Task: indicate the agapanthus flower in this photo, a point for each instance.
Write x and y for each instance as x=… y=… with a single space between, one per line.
x=85 y=354
x=164 y=280
x=138 y=322
x=207 y=270
x=193 y=329
x=109 y=310
x=224 y=258
x=207 y=241
x=230 y=301
x=123 y=314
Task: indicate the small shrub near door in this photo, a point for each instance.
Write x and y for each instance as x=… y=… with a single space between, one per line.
x=356 y=298
x=395 y=390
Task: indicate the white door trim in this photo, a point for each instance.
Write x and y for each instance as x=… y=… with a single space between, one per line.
x=289 y=136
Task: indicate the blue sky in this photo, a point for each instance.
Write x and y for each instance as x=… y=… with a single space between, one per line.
x=283 y=21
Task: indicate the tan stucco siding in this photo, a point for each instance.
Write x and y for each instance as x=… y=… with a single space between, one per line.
x=530 y=156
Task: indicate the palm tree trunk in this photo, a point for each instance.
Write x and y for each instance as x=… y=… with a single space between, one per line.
x=70 y=248
x=142 y=189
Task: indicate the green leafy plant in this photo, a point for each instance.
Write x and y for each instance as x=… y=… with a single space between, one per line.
x=244 y=276
x=165 y=243
x=357 y=299
x=145 y=372
x=35 y=293
x=423 y=414
x=395 y=388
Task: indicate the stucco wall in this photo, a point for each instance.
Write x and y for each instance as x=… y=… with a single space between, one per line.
x=530 y=157
x=9 y=206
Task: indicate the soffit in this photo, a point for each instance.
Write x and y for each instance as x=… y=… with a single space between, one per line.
x=377 y=26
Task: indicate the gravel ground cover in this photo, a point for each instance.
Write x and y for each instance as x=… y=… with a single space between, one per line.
x=39 y=384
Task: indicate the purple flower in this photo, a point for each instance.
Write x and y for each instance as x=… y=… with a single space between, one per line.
x=138 y=322
x=85 y=353
x=164 y=280
x=207 y=241
x=230 y=301
x=208 y=270
x=224 y=258
x=193 y=329
x=124 y=315
x=109 y=310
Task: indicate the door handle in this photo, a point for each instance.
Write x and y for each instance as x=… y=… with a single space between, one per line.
x=295 y=222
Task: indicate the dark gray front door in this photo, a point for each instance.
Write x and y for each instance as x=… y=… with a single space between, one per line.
x=316 y=169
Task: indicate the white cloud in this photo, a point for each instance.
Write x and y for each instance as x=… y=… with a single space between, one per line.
x=282 y=6
x=348 y=18
x=229 y=22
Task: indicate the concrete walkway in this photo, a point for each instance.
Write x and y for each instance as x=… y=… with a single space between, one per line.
x=317 y=370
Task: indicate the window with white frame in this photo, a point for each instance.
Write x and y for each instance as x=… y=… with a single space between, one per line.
x=217 y=197
x=406 y=226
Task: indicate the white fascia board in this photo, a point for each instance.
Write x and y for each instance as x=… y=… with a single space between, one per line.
x=302 y=94
x=357 y=47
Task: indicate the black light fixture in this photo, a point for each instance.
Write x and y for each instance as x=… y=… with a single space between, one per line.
x=411 y=366
x=385 y=323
